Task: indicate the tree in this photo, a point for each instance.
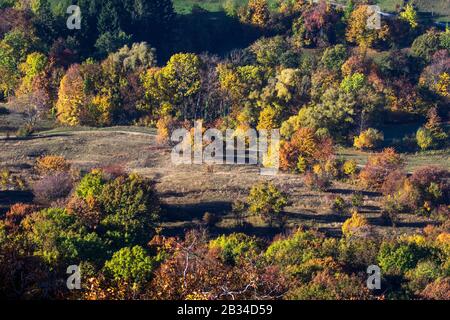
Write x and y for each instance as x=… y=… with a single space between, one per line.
x=14 y=48
x=132 y=264
x=32 y=105
x=139 y=56
x=333 y=58
x=131 y=208
x=359 y=33
x=379 y=166
x=425 y=45
x=256 y=13
x=268 y=202
x=176 y=84
x=354 y=223
x=432 y=134
x=233 y=247
x=33 y=67
x=368 y=139
x=409 y=14
x=71 y=97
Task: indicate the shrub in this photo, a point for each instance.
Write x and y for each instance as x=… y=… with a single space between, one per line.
x=164 y=127
x=210 y=219
x=437 y=290
x=340 y=205
x=239 y=210
x=52 y=187
x=317 y=182
x=393 y=182
x=25 y=131
x=328 y=286
x=430 y=186
x=49 y=164
x=350 y=167
x=379 y=166
x=17 y=213
x=424 y=273
x=233 y=247
x=87 y=210
x=298 y=248
x=91 y=185
x=391 y=207
x=399 y=257
x=424 y=139
x=352 y=224
x=131 y=264
x=369 y=139
x=131 y=208
x=357 y=199
x=268 y=202
x=432 y=135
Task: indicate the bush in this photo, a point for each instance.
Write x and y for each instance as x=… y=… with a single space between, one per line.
x=131 y=208
x=354 y=223
x=317 y=182
x=17 y=213
x=432 y=135
x=430 y=187
x=233 y=247
x=357 y=199
x=87 y=211
x=210 y=219
x=350 y=167
x=51 y=164
x=423 y=274
x=239 y=210
x=379 y=166
x=393 y=182
x=91 y=185
x=369 y=139
x=268 y=202
x=397 y=258
x=52 y=187
x=131 y=264
x=25 y=131
x=391 y=207
x=328 y=286
x=340 y=205
x=438 y=290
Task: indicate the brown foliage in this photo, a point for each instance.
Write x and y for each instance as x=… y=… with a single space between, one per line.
x=379 y=166
x=17 y=213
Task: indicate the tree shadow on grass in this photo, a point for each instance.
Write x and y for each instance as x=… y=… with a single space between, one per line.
x=8 y=198
x=191 y=211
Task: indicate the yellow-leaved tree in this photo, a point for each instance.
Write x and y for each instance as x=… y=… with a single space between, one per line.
x=358 y=30
x=70 y=97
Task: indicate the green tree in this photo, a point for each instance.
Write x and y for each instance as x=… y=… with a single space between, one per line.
x=131 y=264
x=333 y=58
x=131 y=208
x=268 y=202
x=409 y=14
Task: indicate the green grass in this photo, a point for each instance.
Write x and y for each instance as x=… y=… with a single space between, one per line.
x=439 y=158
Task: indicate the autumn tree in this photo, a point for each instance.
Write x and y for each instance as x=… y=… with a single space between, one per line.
x=432 y=135
x=71 y=97
x=268 y=202
x=409 y=14
x=358 y=31
x=379 y=166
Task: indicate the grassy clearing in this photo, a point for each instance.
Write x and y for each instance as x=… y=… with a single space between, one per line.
x=413 y=160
